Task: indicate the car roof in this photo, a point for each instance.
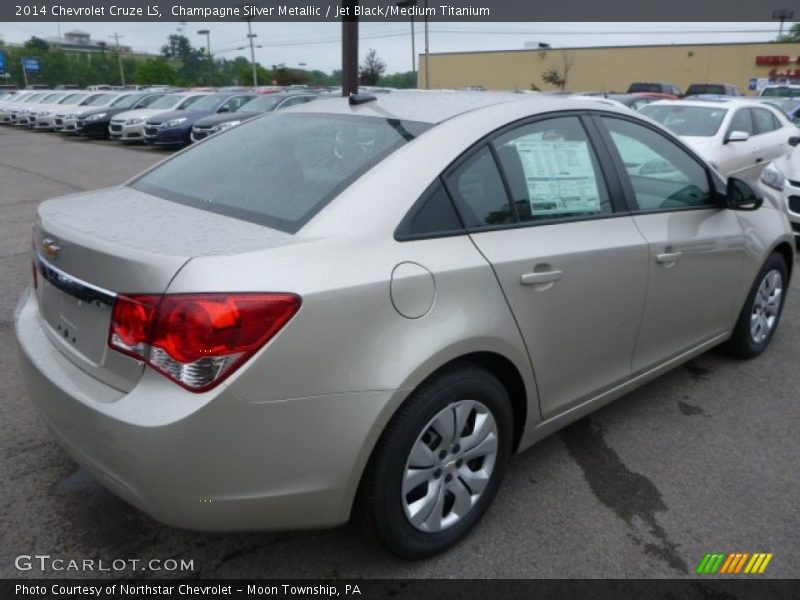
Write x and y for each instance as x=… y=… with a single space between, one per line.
x=438 y=106
x=732 y=102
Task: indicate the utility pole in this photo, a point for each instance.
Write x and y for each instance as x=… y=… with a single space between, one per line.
x=207 y=33
x=251 y=36
x=24 y=72
x=783 y=15
x=349 y=48
x=427 y=54
x=411 y=4
x=116 y=37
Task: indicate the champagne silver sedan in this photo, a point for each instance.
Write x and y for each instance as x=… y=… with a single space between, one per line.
x=369 y=304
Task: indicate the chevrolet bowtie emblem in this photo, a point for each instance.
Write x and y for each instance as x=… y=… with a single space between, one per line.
x=50 y=248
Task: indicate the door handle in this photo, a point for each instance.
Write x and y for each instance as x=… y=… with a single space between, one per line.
x=758 y=160
x=536 y=277
x=668 y=258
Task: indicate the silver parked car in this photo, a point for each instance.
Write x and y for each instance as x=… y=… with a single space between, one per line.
x=372 y=303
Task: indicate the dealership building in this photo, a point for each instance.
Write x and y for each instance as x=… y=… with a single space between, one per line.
x=614 y=68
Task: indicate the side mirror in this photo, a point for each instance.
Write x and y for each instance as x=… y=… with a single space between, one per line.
x=224 y=109
x=737 y=136
x=794 y=140
x=740 y=195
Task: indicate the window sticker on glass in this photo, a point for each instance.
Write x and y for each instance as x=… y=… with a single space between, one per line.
x=559 y=175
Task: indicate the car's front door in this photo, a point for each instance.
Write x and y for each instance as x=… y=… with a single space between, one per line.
x=696 y=247
x=573 y=269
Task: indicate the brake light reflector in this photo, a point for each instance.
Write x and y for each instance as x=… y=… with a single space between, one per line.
x=198 y=340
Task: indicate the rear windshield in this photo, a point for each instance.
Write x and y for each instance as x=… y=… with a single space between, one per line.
x=706 y=88
x=698 y=121
x=278 y=170
x=645 y=87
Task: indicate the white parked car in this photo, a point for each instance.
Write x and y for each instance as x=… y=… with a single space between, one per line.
x=27 y=116
x=129 y=126
x=738 y=137
x=45 y=118
x=780 y=181
x=11 y=112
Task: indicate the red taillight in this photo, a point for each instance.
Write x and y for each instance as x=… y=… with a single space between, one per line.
x=198 y=340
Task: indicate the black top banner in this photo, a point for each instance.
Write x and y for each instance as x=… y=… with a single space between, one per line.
x=383 y=10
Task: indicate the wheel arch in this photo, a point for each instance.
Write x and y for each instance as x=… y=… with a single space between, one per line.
x=786 y=250
x=519 y=385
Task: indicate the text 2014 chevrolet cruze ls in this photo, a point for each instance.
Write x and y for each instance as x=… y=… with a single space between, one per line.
x=373 y=303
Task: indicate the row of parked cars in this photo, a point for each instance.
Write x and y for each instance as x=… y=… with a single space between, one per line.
x=170 y=119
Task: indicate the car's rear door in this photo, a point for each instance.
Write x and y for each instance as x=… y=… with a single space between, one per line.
x=772 y=139
x=572 y=266
x=696 y=247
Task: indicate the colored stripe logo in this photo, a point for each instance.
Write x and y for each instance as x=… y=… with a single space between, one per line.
x=734 y=563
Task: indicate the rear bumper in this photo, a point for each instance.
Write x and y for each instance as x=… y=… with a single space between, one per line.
x=203 y=461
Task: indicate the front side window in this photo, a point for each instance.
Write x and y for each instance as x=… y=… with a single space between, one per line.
x=552 y=171
x=741 y=121
x=279 y=170
x=663 y=175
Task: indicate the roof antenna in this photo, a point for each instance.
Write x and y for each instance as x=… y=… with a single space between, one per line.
x=361 y=98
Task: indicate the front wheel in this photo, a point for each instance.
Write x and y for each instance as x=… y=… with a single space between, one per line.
x=438 y=465
x=762 y=310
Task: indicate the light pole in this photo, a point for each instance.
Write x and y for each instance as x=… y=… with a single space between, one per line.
x=207 y=33
x=411 y=4
x=783 y=15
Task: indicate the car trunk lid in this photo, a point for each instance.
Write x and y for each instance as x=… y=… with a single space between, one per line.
x=91 y=247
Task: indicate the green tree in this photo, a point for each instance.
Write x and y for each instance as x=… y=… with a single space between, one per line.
x=371 y=69
x=188 y=59
x=155 y=71
x=407 y=80
x=284 y=75
x=792 y=36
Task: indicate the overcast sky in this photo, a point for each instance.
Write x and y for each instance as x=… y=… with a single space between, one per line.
x=318 y=44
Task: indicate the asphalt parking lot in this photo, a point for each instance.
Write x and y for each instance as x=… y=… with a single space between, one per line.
x=705 y=459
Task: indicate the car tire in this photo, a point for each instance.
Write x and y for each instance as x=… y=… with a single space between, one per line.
x=456 y=484
x=762 y=310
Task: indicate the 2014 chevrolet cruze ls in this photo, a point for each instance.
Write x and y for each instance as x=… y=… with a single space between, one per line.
x=372 y=303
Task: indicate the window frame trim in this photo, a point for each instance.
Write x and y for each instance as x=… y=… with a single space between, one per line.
x=606 y=172
x=402 y=233
x=629 y=193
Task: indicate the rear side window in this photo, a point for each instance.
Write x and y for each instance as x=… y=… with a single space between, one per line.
x=478 y=187
x=434 y=215
x=763 y=121
x=279 y=170
x=552 y=171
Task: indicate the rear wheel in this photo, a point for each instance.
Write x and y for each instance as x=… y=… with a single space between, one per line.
x=438 y=465
x=762 y=310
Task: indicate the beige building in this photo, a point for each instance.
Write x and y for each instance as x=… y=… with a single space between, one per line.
x=614 y=68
